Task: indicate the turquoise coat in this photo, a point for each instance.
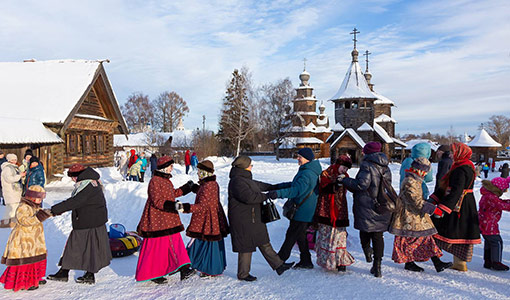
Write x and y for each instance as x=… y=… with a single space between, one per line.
x=419 y=150
x=305 y=181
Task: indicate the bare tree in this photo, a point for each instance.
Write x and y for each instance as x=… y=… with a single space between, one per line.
x=235 y=124
x=499 y=128
x=275 y=114
x=138 y=112
x=205 y=143
x=170 y=107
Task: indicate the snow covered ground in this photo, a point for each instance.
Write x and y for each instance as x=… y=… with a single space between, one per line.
x=125 y=204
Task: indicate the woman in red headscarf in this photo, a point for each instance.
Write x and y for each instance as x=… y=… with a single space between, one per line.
x=331 y=215
x=457 y=220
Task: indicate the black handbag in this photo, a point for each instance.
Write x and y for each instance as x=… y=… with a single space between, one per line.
x=290 y=207
x=268 y=211
x=386 y=197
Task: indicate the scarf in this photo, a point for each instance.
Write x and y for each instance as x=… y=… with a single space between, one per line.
x=461 y=157
x=80 y=185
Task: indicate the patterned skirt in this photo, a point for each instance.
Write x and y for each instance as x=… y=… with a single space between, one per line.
x=161 y=256
x=24 y=276
x=208 y=257
x=409 y=249
x=462 y=251
x=331 y=247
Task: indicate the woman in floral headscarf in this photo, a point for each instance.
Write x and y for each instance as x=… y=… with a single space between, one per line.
x=457 y=220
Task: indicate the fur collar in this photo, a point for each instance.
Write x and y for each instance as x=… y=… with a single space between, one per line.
x=30 y=203
x=162 y=174
x=492 y=188
x=207 y=179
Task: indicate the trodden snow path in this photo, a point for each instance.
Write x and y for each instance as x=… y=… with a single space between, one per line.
x=125 y=204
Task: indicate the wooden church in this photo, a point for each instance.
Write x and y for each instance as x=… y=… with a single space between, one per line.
x=361 y=114
x=71 y=102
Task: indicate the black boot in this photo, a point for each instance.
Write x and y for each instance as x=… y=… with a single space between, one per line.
x=497 y=266
x=160 y=280
x=411 y=266
x=439 y=265
x=368 y=253
x=341 y=268
x=376 y=268
x=61 y=275
x=87 y=278
x=487 y=258
x=284 y=267
x=186 y=272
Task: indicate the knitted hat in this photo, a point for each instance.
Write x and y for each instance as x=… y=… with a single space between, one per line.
x=241 y=162
x=344 y=160
x=206 y=165
x=444 y=148
x=34 y=192
x=33 y=159
x=11 y=157
x=74 y=170
x=421 y=164
x=28 y=152
x=501 y=183
x=306 y=153
x=372 y=147
x=164 y=161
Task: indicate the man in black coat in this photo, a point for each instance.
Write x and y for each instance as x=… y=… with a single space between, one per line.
x=246 y=228
x=88 y=245
x=445 y=163
x=365 y=187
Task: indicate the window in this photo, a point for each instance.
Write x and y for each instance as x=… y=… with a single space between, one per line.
x=347 y=104
x=87 y=145
x=100 y=144
x=354 y=105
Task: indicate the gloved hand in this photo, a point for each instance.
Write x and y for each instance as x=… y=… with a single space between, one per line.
x=186 y=188
x=178 y=206
x=428 y=208
x=42 y=215
x=195 y=187
x=438 y=213
x=272 y=195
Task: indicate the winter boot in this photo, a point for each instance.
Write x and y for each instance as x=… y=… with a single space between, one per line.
x=497 y=266
x=411 y=266
x=32 y=288
x=186 y=272
x=376 y=268
x=487 y=259
x=368 y=253
x=42 y=281
x=87 y=278
x=284 y=267
x=341 y=268
x=61 y=275
x=439 y=265
x=160 y=280
x=459 y=264
x=303 y=265
x=248 y=278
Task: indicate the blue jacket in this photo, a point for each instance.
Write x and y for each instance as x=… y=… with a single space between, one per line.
x=305 y=181
x=154 y=163
x=419 y=150
x=194 y=160
x=35 y=176
x=144 y=163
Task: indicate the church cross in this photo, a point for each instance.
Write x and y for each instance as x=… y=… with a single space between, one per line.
x=366 y=59
x=304 y=64
x=354 y=32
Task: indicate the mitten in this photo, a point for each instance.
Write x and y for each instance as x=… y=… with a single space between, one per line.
x=170 y=206
x=42 y=215
x=186 y=188
x=194 y=188
x=272 y=195
x=428 y=208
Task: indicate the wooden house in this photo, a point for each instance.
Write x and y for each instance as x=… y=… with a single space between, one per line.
x=484 y=147
x=73 y=99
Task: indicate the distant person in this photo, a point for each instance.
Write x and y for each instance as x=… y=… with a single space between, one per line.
x=25 y=165
x=493 y=166
x=443 y=155
x=194 y=161
x=134 y=171
x=187 y=161
x=303 y=191
x=419 y=150
x=12 y=190
x=123 y=165
x=143 y=166
x=2 y=160
x=132 y=158
x=154 y=163
x=485 y=170
x=35 y=174
x=489 y=214
x=504 y=169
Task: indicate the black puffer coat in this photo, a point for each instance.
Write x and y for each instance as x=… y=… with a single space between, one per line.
x=88 y=205
x=365 y=188
x=244 y=199
x=443 y=167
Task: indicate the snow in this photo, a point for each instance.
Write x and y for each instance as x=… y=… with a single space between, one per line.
x=365 y=127
x=483 y=139
x=354 y=85
x=292 y=142
x=126 y=200
x=307 y=113
x=383 y=134
x=382 y=100
x=48 y=89
x=305 y=99
x=338 y=127
x=26 y=131
x=411 y=143
x=180 y=138
x=91 y=117
x=353 y=134
x=384 y=118
x=399 y=142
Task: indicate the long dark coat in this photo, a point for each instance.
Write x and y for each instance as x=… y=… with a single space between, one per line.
x=443 y=167
x=365 y=188
x=244 y=198
x=458 y=227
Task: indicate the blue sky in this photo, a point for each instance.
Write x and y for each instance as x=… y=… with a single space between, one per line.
x=444 y=63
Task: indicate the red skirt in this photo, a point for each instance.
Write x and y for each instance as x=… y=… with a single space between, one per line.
x=24 y=276
x=409 y=249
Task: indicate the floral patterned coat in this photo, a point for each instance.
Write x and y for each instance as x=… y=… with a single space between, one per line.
x=408 y=220
x=208 y=221
x=491 y=207
x=26 y=243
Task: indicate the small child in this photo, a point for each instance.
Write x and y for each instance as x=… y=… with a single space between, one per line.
x=134 y=171
x=25 y=253
x=489 y=214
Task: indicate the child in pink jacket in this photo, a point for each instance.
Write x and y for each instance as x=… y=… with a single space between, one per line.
x=489 y=214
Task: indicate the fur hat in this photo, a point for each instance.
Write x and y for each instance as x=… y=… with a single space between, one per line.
x=421 y=164
x=241 y=162
x=206 y=165
x=11 y=157
x=34 y=192
x=372 y=147
x=164 y=161
x=444 y=148
x=33 y=159
x=75 y=170
x=306 y=153
x=344 y=160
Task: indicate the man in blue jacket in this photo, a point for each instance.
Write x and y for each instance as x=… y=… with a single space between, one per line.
x=303 y=189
